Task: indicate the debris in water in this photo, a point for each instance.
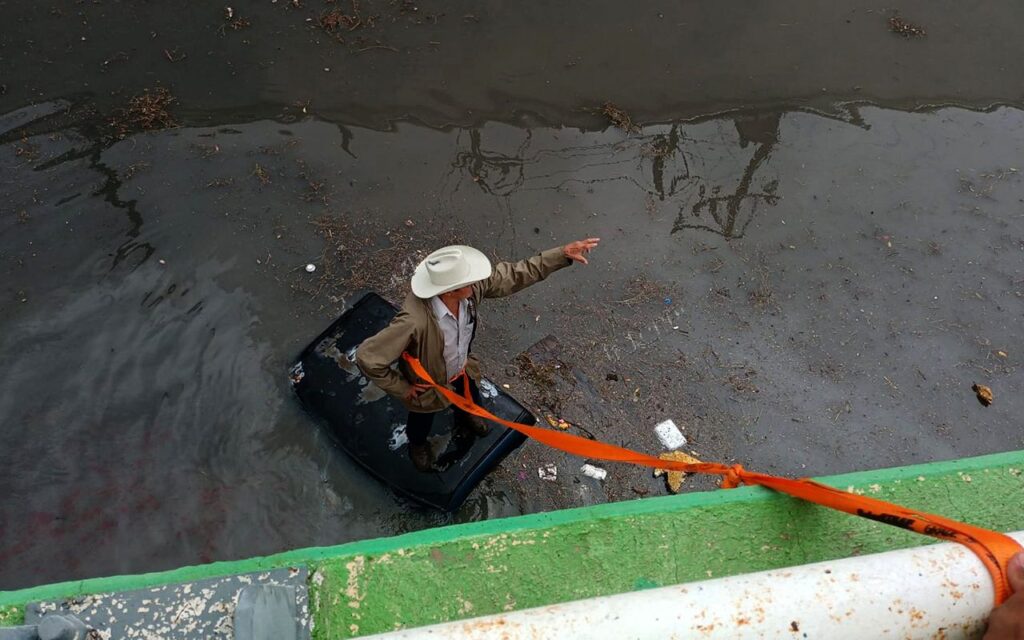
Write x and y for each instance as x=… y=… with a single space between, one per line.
x=557 y=423
x=548 y=472
x=619 y=118
x=335 y=21
x=145 y=112
x=902 y=27
x=596 y=473
x=984 y=394
x=310 y=268
x=261 y=174
x=233 y=21
x=675 y=478
x=297 y=374
x=361 y=253
x=670 y=435
x=172 y=55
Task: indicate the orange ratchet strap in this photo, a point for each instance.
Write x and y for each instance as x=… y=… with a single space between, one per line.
x=994 y=549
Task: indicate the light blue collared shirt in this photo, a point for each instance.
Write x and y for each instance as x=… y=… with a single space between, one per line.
x=457 y=334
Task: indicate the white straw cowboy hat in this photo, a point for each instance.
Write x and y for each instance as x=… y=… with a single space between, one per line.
x=449 y=268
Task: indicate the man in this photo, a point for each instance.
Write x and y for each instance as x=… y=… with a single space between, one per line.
x=437 y=324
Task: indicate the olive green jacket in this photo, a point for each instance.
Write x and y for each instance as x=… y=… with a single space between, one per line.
x=416 y=331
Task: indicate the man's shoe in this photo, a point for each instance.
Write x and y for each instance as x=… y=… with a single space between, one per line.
x=420 y=454
x=472 y=423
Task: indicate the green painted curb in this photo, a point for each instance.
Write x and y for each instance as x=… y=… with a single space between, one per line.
x=11 y=615
x=484 y=567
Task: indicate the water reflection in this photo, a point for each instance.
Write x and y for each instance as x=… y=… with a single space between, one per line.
x=495 y=173
x=731 y=213
x=694 y=166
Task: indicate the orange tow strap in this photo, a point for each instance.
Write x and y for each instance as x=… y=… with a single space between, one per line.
x=994 y=549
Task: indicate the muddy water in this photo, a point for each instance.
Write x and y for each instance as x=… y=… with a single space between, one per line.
x=806 y=294
x=466 y=62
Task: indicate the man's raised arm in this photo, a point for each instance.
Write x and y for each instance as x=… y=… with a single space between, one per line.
x=509 y=277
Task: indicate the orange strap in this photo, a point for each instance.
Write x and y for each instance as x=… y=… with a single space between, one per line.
x=994 y=549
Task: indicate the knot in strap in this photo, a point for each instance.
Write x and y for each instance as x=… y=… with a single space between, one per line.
x=733 y=477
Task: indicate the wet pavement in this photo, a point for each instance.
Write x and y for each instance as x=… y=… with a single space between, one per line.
x=806 y=285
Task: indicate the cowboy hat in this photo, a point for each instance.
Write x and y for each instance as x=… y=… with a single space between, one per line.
x=449 y=268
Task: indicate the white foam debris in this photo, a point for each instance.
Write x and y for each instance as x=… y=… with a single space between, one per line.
x=670 y=435
x=591 y=471
x=487 y=388
x=398 y=437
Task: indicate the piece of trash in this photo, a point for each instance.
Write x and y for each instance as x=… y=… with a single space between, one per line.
x=410 y=223
x=596 y=473
x=487 y=388
x=675 y=478
x=229 y=13
x=310 y=268
x=619 y=117
x=557 y=423
x=984 y=394
x=1001 y=354
x=162 y=261
x=398 y=438
x=906 y=29
x=668 y=300
x=548 y=472
x=612 y=377
x=669 y=434
x=506 y=386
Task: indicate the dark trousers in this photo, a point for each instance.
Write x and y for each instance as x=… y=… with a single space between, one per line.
x=417 y=426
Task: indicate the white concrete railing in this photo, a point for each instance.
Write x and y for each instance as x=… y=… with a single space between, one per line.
x=938 y=590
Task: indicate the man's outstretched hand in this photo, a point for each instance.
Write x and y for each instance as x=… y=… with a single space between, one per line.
x=578 y=250
x=1007 y=621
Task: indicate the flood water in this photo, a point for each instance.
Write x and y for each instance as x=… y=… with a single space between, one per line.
x=806 y=291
